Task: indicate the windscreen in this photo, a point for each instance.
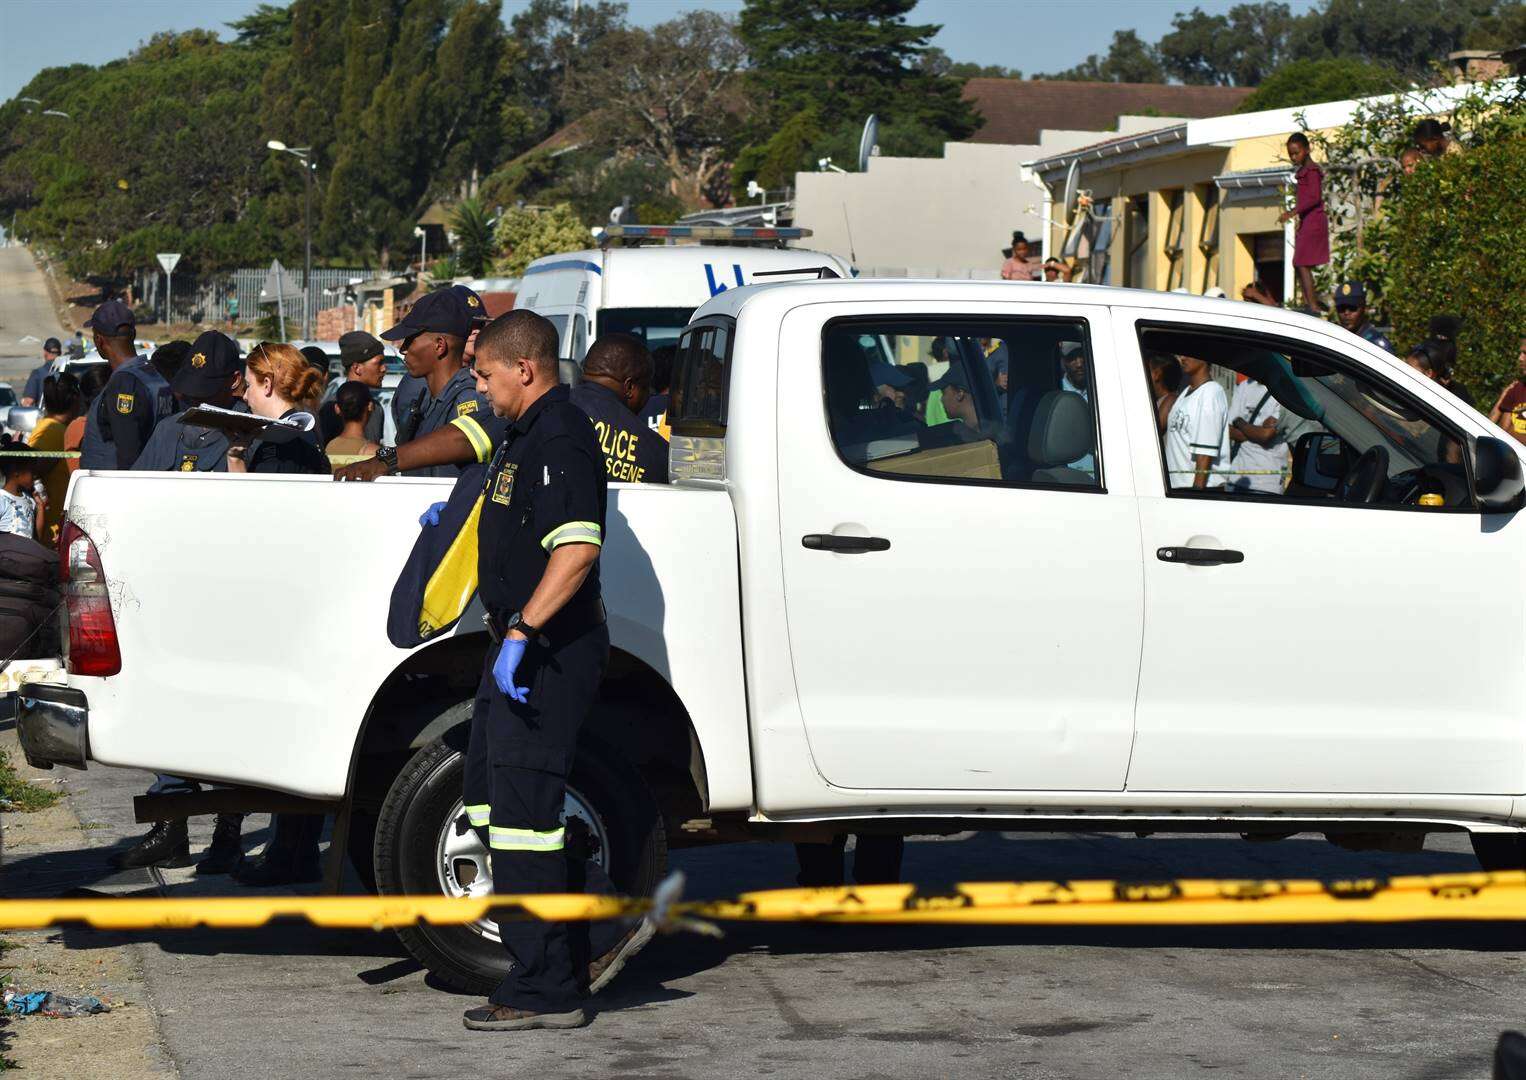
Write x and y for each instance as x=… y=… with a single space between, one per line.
x=655 y=326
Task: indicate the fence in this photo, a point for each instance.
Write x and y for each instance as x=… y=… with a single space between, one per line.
x=204 y=299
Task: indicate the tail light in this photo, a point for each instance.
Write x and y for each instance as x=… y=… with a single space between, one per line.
x=92 y=647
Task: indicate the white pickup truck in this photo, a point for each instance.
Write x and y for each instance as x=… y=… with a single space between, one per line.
x=928 y=564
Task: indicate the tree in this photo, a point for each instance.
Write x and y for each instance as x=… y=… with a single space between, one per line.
x=1129 y=59
x=1308 y=82
x=1236 y=49
x=934 y=61
x=1408 y=35
x=555 y=38
x=266 y=27
x=474 y=243
x=846 y=59
x=434 y=120
x=526 y=234
x=1456 y=249
x=670 y=94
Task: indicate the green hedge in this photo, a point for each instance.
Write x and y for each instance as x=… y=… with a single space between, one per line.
x=1458 y=247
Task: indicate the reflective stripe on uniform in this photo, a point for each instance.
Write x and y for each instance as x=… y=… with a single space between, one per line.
x=482 y=446
x=478 y=814
x=574 y=532
x=502 y=839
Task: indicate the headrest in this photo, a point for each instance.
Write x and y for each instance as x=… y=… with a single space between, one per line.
x=1062 y=429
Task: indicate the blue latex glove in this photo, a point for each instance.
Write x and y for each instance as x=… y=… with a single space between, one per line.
x=509 y=657
x=431 y=516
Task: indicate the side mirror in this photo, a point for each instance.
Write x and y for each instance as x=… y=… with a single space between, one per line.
x=1498 y=484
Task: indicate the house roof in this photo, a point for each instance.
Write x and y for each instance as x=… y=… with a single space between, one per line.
x=1016 y=110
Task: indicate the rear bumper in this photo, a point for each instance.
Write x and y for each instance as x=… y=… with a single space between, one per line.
x=53 y=724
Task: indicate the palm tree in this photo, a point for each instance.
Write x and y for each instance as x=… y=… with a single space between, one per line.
x=473 y=229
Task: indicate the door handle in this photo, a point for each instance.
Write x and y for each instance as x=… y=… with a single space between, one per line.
x=847 y=545
x=1199 y=556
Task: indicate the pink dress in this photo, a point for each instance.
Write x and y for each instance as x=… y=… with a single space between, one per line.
x=1019 y=270
x=1311 y=244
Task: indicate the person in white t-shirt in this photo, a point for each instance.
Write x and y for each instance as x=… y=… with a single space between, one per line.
x=20 y=513
x=1197 y=431
x=1258 y=458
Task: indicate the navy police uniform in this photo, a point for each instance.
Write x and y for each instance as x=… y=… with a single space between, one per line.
x=135 y=398
x=415 y=411
x=207 y=375
x=545 y=487
x=633 y=453
x=1353 y=294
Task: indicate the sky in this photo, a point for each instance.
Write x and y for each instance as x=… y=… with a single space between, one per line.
x=1030 y=35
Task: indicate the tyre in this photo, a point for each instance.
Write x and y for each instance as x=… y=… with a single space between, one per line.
x=1499 y=851
x=419 y=851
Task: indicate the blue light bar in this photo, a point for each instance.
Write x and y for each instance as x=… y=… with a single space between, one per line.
x=701 y=232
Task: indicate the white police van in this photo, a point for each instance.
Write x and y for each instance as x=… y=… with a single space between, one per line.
x=651 y=291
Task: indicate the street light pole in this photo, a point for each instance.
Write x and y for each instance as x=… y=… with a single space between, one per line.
x=304 y=155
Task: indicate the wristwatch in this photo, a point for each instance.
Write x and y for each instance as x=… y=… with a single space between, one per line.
x=517 y=622
x=387 y=455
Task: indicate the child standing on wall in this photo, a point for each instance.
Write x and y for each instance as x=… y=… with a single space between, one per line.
x=1311 y=243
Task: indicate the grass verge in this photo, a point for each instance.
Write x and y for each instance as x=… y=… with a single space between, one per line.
x=19 y=794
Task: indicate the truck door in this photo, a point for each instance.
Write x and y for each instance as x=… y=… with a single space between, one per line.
x=1329 y=630
x=961 y=552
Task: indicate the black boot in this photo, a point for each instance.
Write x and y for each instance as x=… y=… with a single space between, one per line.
x=165 y=845
x=291 y=856
x=227 y=850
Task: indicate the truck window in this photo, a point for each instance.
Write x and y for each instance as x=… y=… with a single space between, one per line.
x=977 y=400
x=700 y=367
x=1248 y=416
x=655 y=326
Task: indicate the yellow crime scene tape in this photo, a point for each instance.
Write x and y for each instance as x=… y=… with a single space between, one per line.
x=1450 y=897
x=40 y=453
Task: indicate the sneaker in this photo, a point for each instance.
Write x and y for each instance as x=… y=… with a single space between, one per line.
x=603 y=970
x=167 y=844
x=503 y=1018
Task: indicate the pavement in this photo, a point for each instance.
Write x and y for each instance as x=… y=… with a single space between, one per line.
x=27 y=314
x=1409 y=1001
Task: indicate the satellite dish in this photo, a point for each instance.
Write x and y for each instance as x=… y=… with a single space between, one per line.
x=867 y=142
x=1072 y=188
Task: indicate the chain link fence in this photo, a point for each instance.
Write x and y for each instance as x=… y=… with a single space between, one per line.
x=205 y=298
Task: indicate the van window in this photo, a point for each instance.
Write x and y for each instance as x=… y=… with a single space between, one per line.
x=655 y=326
x=700 y=368
x=560 y=322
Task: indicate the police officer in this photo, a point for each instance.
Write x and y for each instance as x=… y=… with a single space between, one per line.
x=432 y=338
x=1351 y=310
x=539 y=538
x=617 y=380
x=362 y=358
x=32 y=393
x=213 y=374
x=136 y=397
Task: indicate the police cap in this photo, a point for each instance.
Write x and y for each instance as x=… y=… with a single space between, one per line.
x=444 y=311
x=886 y=374
x=114 y=319
x=53 y=346
x=473 y=304
x=213 y=360
x=1351 y=294
x=357 y=347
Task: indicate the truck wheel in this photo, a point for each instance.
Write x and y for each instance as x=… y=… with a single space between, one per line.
x=1499 y=851
x=419 y=852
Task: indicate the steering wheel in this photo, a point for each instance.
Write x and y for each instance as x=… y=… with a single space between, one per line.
x=1364 y=481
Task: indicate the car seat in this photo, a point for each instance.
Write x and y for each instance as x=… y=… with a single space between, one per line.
x=1063 y=431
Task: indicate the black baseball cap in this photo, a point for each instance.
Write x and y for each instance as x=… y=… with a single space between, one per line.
x=213 y=360
x=886 y=374
x=954 y=376
x=114 y=319
x=444 y=311
x=357 y=347
x=52 y=345
x=1351 y=294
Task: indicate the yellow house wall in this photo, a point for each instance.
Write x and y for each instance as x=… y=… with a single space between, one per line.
x=1236 y=267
